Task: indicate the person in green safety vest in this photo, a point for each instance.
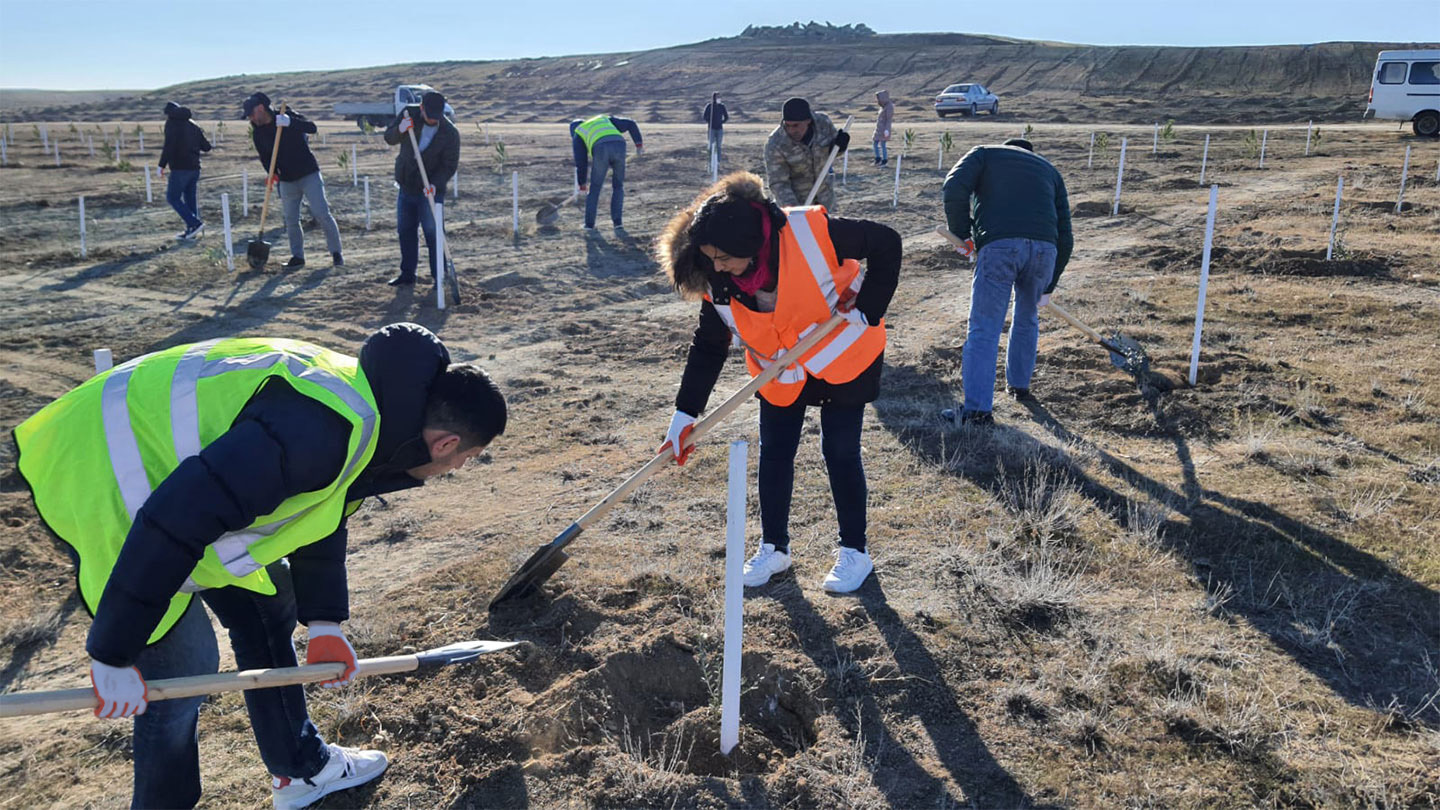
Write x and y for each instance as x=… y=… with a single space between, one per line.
x=226 y=470
x=599 y=147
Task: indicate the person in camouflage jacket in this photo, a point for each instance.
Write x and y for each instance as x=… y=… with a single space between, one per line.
x=796 y=153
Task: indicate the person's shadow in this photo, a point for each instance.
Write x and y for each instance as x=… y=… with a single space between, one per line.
x=1353 y=620
x=922 y=694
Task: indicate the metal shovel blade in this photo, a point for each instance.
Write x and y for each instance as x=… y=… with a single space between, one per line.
x=460 y=652
x=453 y=281
x=257 y=253
x=1127 y=354
x=548 y=213
x=540 y=567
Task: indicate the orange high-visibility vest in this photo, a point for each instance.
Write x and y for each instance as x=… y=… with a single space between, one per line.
x=810 y=285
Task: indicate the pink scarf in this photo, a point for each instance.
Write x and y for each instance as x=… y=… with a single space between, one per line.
x=759 y=277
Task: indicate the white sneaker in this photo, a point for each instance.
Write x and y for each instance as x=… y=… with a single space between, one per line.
x=766 y=563
x=851 y=569
x=346 y=768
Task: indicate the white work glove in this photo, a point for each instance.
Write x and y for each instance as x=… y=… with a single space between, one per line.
x=966 y=249
x=406 y=124
x=328 y=644
x=855 y=317
x=119 y=691
x=430 y=191
x=680 y=425
x=282 y=120
x=1044 y=300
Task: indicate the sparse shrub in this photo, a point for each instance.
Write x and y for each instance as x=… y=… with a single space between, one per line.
x=1251 y=145
x=909 y=141
x=123 y=165
x=73 y=128
x=1029 y=130
x=500 y=155
x=1167 y=132
x=1314 y=140
x=946 y=143
x=367 y=127
x=1102 y=141
x=343 y=160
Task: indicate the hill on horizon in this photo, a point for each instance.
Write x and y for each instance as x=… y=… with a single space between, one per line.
x=838 y=70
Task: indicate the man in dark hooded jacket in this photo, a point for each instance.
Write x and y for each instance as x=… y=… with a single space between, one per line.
x=432 y=416
x=184 y=141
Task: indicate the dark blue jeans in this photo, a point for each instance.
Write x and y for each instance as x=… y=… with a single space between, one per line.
x=1025 y=265
x=780 y=430
x=166 y=742
x=412 y=210
x=607 y=156
x=181 y=194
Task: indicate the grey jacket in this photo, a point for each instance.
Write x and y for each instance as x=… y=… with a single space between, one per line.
x=791 y=168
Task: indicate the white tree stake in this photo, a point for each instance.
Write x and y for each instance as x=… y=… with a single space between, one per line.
x=57 y=153
x=845 y=169
x=1309 y=130
x=354 y=168
x=487 y=134
x=1204 y=283
x=82 y=226
x=117 y=151
x=515 y=202
x=1335 y=217
x=1090 y=163
x=940 y=156
x=142 y=140
x=1119 y=177
x=104 y=361
x=4 y=158
x=455 y=184
x=714 y=165
x=1399 y=201
x=229 y=243
x=149 y=197
x=367 y=202
x=1204 y=158
x=44 y=138
x=90 y=139
x=734 y=599
x=1264 y=139
x=244 y=193
x=899 y=161
x=439 y=210
x=1155 y=144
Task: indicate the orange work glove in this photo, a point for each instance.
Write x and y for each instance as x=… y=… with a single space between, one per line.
x=328 y=644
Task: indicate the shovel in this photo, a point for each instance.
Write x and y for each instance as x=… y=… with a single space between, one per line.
x=20 y=704
x=550 y=211
x=825 y=170
x=548 y=558
x=257 y=253
x=1125 y=353
x=435 y=217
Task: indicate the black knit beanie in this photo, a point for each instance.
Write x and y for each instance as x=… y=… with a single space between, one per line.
x=1020 y=142
x=733 y=226
x=795 y=109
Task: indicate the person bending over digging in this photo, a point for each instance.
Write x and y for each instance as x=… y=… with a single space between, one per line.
x=766 y=275
x=226 y=470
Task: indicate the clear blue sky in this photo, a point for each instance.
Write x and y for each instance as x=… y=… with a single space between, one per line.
x=145 y=44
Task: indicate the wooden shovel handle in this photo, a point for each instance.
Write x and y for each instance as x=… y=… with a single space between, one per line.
x=425 y=178
x=715 y=417
x=274 y=156
x=824 y=170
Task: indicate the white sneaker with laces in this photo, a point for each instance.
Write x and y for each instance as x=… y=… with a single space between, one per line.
x=346 y=768
x=851 y=569
x=766 y=563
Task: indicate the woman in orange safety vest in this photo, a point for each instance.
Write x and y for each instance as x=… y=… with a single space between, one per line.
x=765 y=276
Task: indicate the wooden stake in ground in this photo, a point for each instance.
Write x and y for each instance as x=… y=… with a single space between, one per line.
x=1119 y=178
x=1204 y=284
x=1204 y=158
x=1399 y=201
x=734 y=598
x=1335 y=217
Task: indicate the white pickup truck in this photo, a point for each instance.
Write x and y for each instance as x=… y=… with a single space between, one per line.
x=381 y=114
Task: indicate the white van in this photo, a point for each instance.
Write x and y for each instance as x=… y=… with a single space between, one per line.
x=1406 y=87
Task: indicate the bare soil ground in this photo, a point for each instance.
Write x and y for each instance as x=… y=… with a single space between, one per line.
x=1129 y=592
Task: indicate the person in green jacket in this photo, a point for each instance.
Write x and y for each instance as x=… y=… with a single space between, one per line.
x=1009 y=204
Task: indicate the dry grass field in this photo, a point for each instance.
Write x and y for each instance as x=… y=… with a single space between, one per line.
x=1130 y=592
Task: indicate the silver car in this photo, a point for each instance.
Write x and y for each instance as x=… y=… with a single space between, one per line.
x=968 y=98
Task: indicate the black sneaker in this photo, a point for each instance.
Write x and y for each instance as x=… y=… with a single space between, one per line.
x=402 y=280
x=193 y=232
x=1020 y=394
x=337 y=259
x=977 y=418
x=294 y=263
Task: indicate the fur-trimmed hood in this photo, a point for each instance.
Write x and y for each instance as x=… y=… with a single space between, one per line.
x=689 y=271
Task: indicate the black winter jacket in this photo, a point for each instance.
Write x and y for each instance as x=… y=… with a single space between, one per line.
x=184 y=141
x=441 y=156
x=295 y=159
x=281 y=444
x=875 y=244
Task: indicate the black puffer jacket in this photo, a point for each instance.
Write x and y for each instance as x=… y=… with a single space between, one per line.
x=281 y=444
x=184 y=141
x=295 y=159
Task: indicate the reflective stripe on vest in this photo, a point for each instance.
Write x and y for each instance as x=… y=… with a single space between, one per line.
x=805 y=298
x=135 y=424
x=593 y=129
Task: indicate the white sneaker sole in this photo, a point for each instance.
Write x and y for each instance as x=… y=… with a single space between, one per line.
x=750 y=582
x=336 y=786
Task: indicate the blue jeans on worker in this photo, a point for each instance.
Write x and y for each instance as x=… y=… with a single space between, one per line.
x=166 y=742
x=716 y=139
x=607 y=156
x=1025 y=265
x=412 y=210
x=780 y=429
x=181 y=195
x=882 y=151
